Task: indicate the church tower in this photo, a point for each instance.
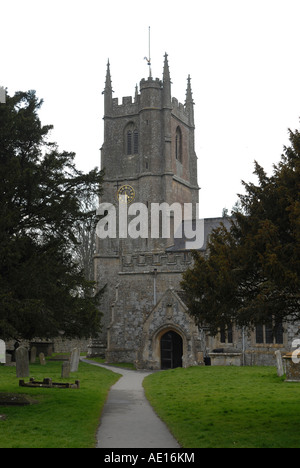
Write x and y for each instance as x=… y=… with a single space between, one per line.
x=148 y=155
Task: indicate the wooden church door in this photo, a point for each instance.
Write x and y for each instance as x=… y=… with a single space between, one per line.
x=171 y=348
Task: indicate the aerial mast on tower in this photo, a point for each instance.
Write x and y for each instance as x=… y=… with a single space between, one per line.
x=149 y=59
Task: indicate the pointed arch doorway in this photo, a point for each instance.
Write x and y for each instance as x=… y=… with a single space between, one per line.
x=171 y=350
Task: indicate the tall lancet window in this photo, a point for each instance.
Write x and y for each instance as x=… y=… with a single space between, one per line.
x=178 y=144
x=131 y=140
x=135 y=142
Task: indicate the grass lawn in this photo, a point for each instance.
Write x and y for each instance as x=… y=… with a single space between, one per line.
x=63 y=418
x=213 y=407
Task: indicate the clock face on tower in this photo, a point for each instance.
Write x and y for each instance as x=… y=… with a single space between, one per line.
x=126 y=194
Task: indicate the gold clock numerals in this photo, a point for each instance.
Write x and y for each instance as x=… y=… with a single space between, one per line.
x=126 y=194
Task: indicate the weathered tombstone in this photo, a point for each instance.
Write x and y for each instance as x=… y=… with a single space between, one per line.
x=2 y=352
x=65 y=370
x=42 y=359
x=280 y=370
x=74 y=361
x=22 y=362
x=33 y=355
x=292 y=365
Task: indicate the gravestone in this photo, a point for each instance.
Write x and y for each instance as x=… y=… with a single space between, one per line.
x=42 y=359
x=65 y=370
x=74 y=361
x=280 y=370
x=33 y=355
x=22 y=362
x=292 y=367
x=2 y=352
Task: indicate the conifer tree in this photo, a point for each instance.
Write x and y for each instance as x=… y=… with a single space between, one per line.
x=251 y=273
x=42 y=289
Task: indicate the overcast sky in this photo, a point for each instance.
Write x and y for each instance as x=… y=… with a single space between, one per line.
x=242 y=55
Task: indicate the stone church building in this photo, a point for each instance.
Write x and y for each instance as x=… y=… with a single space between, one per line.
x=149 y=156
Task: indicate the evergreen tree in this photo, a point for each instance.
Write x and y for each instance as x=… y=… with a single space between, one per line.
x=42 y=289
x=251 y=273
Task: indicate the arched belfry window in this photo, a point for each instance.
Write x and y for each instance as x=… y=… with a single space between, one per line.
x=178 y=144
x=131 y=140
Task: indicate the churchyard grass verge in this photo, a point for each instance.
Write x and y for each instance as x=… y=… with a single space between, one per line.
x=227 y=407
x=63 y=418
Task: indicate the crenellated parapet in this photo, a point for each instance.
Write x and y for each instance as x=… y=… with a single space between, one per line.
x=128 y=107
x=154 y=94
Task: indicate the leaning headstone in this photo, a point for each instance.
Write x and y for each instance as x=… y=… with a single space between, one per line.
x=65 y=370
x=280 y=370
x=33 y=355
x=42 y=359
x=22 y=362
x=74 y=361
x=2 y=352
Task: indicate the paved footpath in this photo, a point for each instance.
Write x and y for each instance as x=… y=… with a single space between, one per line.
x=128 y=420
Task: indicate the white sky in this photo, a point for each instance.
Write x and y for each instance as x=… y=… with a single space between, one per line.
x=242 y=55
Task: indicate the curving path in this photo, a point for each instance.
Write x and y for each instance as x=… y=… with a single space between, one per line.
x=128 y=420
